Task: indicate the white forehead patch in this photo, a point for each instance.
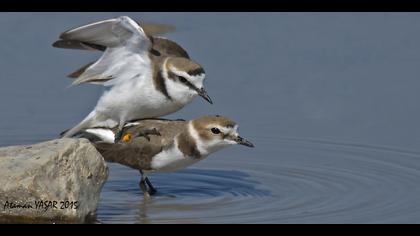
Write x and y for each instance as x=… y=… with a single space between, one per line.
x=235 y=128
x=227 y=130
x=198 y=77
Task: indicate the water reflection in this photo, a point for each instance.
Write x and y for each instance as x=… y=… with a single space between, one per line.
x=188 y=191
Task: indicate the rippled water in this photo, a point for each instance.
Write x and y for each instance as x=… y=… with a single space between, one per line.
x=329 y=99
x=306 y=181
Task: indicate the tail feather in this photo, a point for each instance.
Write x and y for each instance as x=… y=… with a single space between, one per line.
x=64 y=132
x=82 y=125
x=97 y=135
x=80 y=71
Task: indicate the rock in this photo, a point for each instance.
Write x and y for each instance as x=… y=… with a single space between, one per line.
x=54 y=181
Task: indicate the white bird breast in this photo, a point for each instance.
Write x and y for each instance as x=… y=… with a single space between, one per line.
x=171 y=160
x=136 y=99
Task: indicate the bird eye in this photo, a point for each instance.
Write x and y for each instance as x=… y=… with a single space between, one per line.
x=182 y=79
x=215 y=130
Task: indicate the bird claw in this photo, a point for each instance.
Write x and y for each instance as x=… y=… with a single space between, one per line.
x=147 y=132
x=118 y=137
x=151 y=191
x=147 y=188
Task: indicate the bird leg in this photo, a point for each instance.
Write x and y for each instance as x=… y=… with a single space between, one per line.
x=152 y=189
x=144 y=184
x=146 y=132
x=144 y=189
x=119 y=133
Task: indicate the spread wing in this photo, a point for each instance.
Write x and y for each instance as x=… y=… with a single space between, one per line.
x=150 y=29
x=126 y=50
x=160 y=47
x=75 y=44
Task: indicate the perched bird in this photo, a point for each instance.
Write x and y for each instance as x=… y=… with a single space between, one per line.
x=158 y=145
x=148 y=76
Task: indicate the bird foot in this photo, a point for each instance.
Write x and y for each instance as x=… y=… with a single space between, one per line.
x=147 y=132
x=151 y=191
x=147 y=188
x=124 y=138
x=118 y=136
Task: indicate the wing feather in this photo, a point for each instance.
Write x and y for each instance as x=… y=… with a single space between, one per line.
x=137 y=153
x=125 y=56
x=74 y=44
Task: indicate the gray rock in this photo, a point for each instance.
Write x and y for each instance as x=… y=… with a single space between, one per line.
x=54 y=181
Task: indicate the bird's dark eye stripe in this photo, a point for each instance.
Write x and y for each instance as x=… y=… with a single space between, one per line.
x=182 y=79
x=186 y=82
x=215 y=130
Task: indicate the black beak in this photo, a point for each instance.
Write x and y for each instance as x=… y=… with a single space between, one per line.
x=204 y=95
x=243 y=141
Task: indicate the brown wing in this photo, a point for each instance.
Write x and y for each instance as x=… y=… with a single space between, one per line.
x=138 y=152
x=137 y=155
